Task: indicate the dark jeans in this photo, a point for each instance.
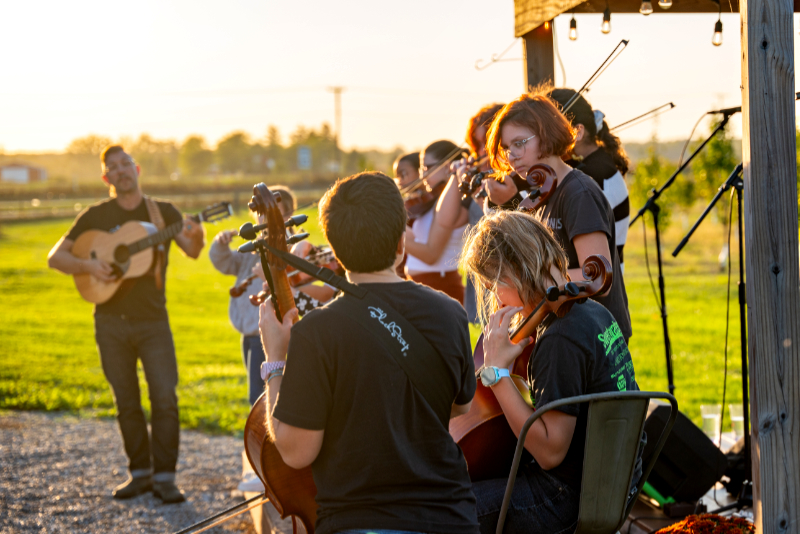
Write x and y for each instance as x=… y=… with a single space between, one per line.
x=121 y=342
x=253 y=356
x=540 y=503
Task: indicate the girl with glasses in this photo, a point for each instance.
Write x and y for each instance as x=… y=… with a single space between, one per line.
x=532 y=131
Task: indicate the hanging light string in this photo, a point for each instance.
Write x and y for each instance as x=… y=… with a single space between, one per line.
x=605 y=27
x=717 y=39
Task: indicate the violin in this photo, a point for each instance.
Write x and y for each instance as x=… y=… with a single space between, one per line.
x=483 y=433
x=291 y=491
x=543 y=182
x=239 y=289
x=420 y=201
x=320 y=258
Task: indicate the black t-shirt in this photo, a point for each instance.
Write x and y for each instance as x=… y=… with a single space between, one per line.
x=386 y=462
x=578 y=354
x=600 y=166
x=578 y=207
x=137 y=298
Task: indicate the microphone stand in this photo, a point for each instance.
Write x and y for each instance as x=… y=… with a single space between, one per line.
x=652 y=206
x=735 y=180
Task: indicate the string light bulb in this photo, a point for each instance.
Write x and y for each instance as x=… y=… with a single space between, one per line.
x=573 y=29
x=717 y=39
x=606 y=26
x=646 y=8
x=665 y=4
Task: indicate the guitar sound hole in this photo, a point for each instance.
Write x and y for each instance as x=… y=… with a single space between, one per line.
x=121 y=254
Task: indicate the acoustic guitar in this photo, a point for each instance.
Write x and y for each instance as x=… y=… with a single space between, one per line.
x=129 y=250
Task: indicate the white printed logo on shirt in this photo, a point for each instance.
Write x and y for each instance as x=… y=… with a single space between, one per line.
x=393 y=329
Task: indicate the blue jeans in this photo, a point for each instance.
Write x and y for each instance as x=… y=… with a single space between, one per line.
x=540 y=503
x=121 y=342
x=253 y=356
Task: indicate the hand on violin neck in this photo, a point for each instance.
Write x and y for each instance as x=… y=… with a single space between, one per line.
x=275 y=335
x=498 y=349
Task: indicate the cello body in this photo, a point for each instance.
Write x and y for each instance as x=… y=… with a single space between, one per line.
x=483 y=433
x=291 y=491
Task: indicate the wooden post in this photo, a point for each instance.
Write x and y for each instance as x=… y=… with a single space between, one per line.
x=537 y=51
x=773 y=297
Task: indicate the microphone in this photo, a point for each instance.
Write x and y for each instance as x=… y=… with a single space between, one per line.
x=731 y=111
x=726 y=111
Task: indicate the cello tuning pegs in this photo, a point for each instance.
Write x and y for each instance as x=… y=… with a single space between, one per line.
x=296 y=238
x=552 y=293
x=296 y=220
x=571 y=289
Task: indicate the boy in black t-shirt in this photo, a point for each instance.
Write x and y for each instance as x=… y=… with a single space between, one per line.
x=512 y=259
x=381 y=455
x=133 y=325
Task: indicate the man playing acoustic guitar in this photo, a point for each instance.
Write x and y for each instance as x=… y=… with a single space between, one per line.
x=357 y=402
x=133 y=325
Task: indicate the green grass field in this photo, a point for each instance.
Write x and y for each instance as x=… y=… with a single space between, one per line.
x=48 y=360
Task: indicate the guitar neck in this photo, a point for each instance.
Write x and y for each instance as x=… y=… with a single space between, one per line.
x=159 y=237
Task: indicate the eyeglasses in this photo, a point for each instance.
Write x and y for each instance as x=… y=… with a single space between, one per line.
x=516 y=149
x=126 y=164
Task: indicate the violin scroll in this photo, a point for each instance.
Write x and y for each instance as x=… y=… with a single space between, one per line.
x=543 y=181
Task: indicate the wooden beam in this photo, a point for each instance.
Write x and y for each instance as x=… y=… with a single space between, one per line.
x=773 y=297
x=537 y=53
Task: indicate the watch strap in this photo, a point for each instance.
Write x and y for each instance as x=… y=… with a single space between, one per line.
x=268 y=367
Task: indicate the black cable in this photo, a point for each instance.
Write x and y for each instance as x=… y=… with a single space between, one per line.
x=647 y=262
x=727 y=315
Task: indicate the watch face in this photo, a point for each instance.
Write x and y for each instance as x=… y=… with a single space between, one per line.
x=488 y=376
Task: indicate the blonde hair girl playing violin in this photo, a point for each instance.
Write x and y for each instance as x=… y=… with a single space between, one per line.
x=531 y=131
x=513 y=259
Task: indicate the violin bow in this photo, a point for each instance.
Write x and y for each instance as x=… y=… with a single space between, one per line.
x=600 y=70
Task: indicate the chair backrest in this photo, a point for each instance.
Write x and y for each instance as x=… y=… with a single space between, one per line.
x=613 y=433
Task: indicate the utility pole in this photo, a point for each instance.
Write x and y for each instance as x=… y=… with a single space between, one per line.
x=337 y=101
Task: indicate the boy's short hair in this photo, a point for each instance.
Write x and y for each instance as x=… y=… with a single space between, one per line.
x=541 y=115
x=363 y=218
x=288 y=202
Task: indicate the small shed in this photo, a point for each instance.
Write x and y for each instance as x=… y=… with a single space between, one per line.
x=21 y=173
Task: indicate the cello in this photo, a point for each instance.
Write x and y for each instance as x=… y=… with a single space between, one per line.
x=291 y=491
x=483 y=433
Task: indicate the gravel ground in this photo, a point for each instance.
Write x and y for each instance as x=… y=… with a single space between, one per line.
x=57 y=472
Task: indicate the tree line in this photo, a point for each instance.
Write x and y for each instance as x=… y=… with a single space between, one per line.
x=239 y=153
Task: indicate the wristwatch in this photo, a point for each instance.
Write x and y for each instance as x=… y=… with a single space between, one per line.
x=268 y=367
x=492 y=375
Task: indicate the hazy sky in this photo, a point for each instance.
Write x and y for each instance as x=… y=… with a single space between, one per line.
x=175 y=68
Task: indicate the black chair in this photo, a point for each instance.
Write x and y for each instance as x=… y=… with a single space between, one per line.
x=613 y=434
